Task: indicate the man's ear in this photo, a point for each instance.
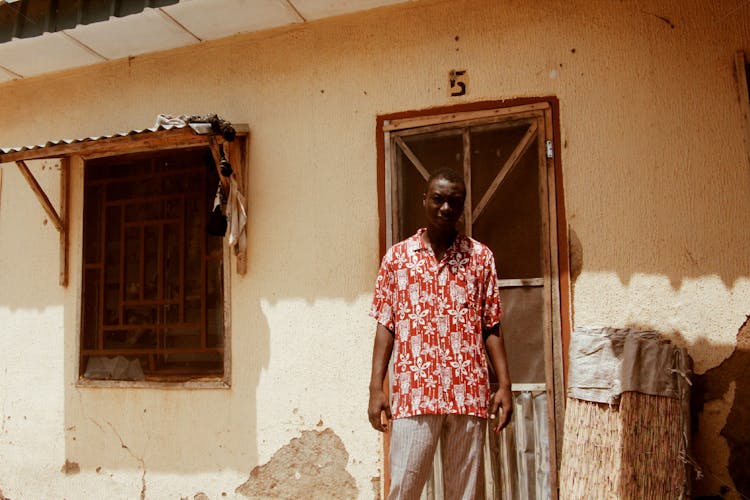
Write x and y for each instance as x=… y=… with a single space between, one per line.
x=424 y=199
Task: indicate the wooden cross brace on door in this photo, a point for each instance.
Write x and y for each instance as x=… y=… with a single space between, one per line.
x=60 y=221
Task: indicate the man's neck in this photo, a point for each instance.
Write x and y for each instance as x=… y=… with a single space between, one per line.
x=439 y=240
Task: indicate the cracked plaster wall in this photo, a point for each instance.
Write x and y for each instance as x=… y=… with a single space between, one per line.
x=310 y=466
x=655 y=178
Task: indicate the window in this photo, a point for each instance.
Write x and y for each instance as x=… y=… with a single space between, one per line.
x=153 y=278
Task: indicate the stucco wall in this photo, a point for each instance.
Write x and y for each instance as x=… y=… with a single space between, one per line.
x=656 y=186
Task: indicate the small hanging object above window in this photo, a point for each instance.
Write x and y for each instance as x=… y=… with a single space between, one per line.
x=202 y=125
x=217 y=220
x=224 y=165
x=216 y=225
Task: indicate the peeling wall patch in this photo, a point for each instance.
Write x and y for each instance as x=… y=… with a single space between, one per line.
x=70 y=467
x=310 y=466
x=712 y=385
x=375 y=481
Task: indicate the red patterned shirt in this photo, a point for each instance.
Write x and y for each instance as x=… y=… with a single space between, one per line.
x=437 y=312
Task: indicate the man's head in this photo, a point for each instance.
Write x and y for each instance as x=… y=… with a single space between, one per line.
x=444 y=199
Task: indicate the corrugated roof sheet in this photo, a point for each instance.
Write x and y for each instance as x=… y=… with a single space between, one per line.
x=197 y=127
x=30 y=18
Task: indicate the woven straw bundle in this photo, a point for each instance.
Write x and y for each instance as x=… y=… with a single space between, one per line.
x=628 y=451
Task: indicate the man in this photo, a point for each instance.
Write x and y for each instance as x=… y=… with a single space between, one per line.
x=437 y=306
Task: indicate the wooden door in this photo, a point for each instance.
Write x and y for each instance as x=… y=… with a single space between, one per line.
x=505 y=156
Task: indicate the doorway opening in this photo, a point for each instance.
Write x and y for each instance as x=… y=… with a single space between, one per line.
x=506 y=153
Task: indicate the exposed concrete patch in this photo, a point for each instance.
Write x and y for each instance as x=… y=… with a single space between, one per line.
x=70 y=467
x=375 y=481
x=733 y=372
x=710 y=449
x=198 y=496
x=310 y=466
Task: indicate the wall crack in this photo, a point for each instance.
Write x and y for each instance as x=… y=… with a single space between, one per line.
x=138 y=459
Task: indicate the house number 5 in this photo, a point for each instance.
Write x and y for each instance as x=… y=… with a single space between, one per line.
x=459 y=82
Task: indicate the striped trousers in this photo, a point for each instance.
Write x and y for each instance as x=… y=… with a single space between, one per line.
x=413 y=444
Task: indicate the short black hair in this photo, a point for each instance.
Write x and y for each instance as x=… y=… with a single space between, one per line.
x=448 y=174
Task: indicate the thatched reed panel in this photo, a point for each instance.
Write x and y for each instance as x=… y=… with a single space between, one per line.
x=631 y=450
x=652 y=446
x=591 y=451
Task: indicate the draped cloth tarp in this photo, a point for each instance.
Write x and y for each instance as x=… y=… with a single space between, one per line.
x=605 y=362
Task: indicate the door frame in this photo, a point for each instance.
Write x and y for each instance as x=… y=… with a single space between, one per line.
x=557 y=216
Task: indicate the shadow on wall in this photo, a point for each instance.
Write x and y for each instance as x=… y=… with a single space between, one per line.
x=731 y=376
x=174 y=430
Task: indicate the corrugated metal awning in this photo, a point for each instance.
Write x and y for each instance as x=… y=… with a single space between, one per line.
x=171 y=135
x=168 y=133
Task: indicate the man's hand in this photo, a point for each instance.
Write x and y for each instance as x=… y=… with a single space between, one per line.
x=381 y=353
x=501 y=401
x=378 y=405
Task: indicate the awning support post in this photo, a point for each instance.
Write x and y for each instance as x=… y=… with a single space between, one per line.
x=59 y=221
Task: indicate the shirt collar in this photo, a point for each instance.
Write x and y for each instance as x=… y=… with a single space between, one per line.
x=420 y=245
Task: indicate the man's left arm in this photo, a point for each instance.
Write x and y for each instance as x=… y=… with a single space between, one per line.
x=502 y=399
x=492 y=313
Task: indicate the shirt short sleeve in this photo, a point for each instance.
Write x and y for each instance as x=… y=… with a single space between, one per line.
x=382 y=301
x=492 y=310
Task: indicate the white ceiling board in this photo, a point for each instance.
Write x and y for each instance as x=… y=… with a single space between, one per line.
x=43 y=54
x=319 y=9
x=210 y=19
x=152 y=30
x=147 y=31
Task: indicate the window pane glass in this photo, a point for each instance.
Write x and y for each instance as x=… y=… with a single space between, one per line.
x=151 y=249
x=112 y=285
x=214 y=305
x=92 y=225
x=205 y=362
x=142 y=211
x=133 y=259
x=91 y=282
x=184 y=338
x=490 y=149
x=137 y=338
x=511 y=222
x=434 y=151
x=523 y=332
x=172 y=262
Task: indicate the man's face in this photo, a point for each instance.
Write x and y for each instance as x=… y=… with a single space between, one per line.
x=444 y=203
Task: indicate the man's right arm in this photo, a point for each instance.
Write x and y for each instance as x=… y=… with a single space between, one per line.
x=381 y=355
